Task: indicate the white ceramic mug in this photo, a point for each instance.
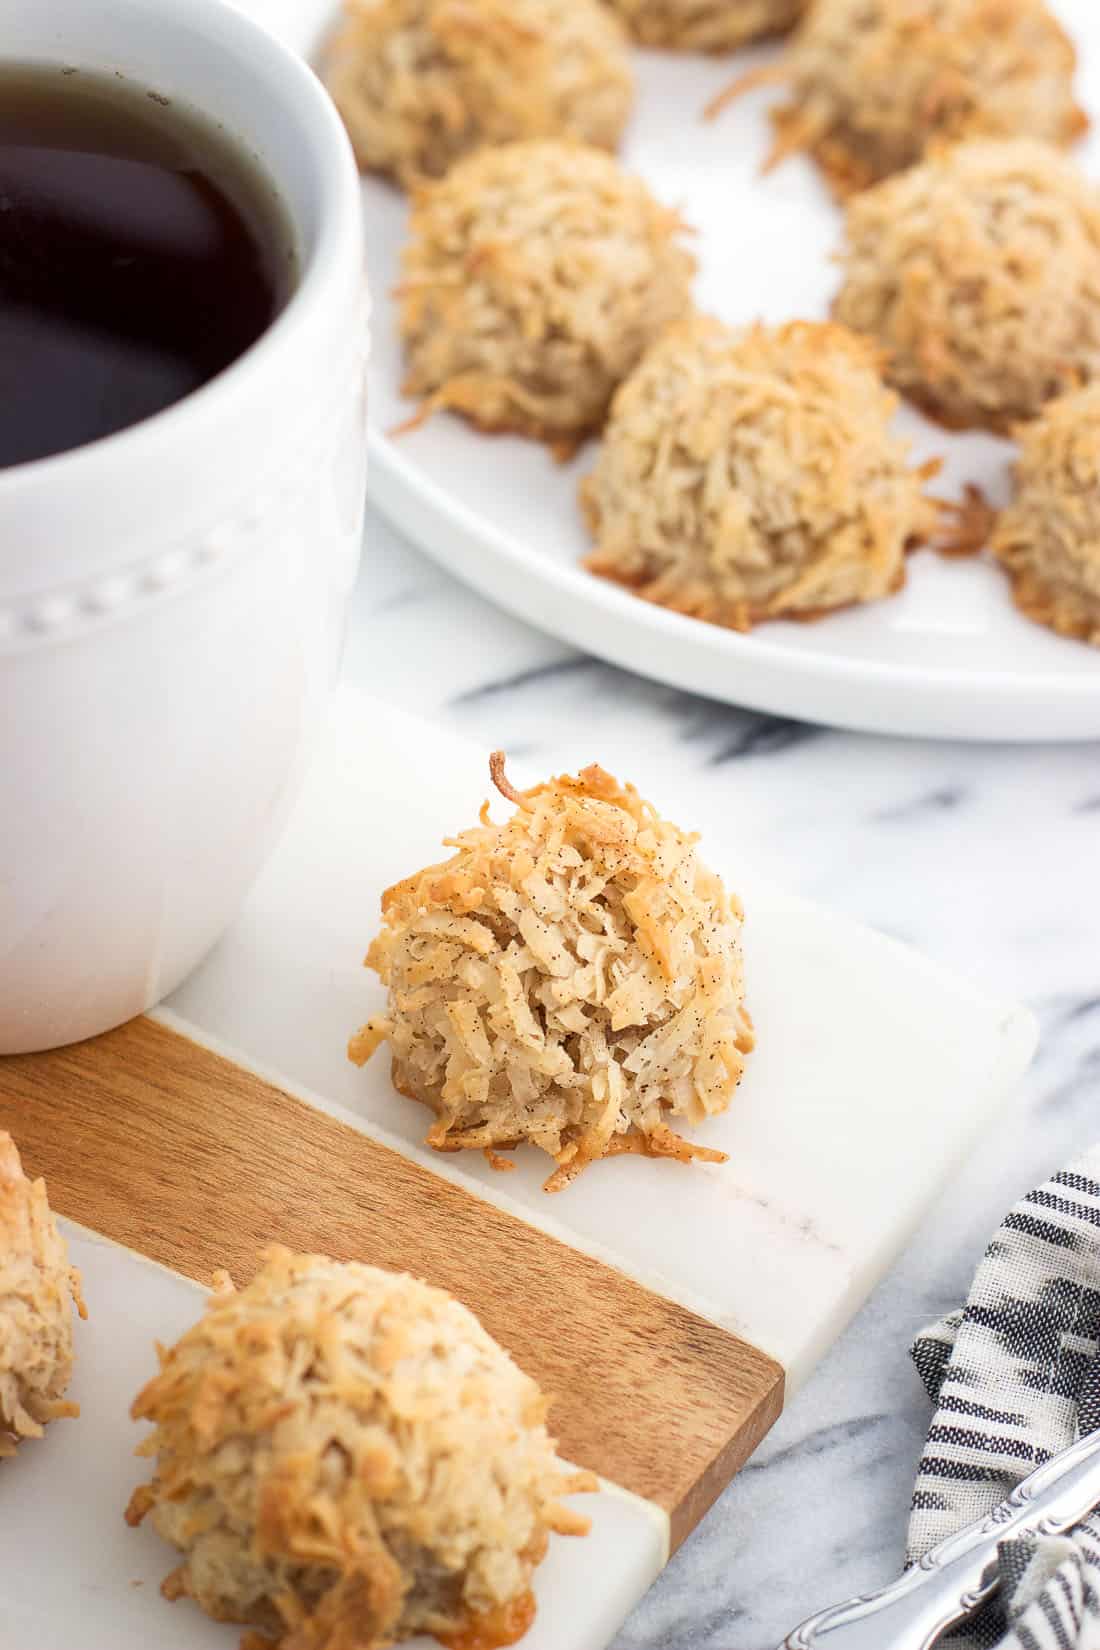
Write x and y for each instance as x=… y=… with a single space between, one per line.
x=172 y=598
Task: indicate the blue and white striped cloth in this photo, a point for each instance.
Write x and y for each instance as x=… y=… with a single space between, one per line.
x=1015 y=1377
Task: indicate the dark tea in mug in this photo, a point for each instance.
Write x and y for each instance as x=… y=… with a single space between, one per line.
x=141 y=253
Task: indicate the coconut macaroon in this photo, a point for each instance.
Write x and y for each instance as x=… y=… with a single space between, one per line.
x=534 y=278
x=978 y=274
x=38 y=1290
x=1048 y=539
x=421 y=82
x=751 y=474
x=344 y=1457
x=706 y=25
x=873 y=82
x=572 y=978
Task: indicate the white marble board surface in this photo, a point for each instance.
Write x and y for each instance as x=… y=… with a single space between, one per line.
x=949 y=656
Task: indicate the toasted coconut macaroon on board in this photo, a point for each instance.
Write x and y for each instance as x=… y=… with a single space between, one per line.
x=949 y=654
x=668 y=1309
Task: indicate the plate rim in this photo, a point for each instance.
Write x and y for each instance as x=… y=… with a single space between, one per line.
x=950 y=702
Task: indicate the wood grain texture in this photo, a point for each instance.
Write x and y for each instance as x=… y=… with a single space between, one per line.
x=176 y=1152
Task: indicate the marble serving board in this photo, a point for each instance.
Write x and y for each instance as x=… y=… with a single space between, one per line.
x=668 y=1308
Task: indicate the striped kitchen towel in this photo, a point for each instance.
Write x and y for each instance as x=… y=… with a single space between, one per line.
x=1015 y=1377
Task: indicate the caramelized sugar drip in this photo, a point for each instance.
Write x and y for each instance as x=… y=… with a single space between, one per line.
x=496 y=1628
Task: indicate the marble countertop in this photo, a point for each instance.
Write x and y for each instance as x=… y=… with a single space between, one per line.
x=985 y=857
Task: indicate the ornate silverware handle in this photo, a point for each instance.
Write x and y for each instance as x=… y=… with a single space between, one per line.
x=961 y=1573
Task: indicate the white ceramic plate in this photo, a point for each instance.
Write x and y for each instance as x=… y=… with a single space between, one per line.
x=949 y=657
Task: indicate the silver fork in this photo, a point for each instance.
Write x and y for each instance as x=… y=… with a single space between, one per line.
x=961 y=1573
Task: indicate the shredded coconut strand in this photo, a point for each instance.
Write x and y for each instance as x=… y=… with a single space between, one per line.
x=571 y=978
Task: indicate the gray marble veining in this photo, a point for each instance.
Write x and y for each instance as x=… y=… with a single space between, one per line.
x=985 y=857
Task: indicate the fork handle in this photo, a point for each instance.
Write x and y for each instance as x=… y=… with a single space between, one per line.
x=962 y=1572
